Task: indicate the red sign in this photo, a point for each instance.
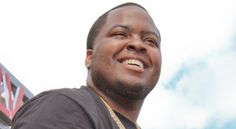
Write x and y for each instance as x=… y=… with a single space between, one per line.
x=11 y=96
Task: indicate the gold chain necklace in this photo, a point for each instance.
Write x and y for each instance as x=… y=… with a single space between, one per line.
x=114 y=117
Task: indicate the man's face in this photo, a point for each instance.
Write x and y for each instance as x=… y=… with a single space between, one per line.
x=126 y=57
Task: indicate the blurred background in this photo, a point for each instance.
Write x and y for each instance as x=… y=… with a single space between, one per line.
x=43 y=43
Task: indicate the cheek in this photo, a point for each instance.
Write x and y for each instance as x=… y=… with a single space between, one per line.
x=156 y=58
x=102 y=59
x=101 y=53
x=157 y=61
x=106 y=51
x=111 y=46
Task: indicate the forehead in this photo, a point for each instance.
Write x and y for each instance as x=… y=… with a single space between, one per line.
x=132 y=16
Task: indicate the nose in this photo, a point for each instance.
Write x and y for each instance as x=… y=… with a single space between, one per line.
x=137 y=46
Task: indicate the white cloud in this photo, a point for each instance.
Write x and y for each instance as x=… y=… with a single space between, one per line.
x=201 y=94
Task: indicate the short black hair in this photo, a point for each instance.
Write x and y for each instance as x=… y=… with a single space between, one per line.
x=98 y=24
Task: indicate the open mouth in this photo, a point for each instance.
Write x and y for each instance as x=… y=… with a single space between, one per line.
x=133 y=62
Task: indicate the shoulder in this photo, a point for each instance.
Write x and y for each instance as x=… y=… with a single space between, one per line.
x=63 y=107
x=52 y=109
x=84 y=96
x=75 y=95
x=57 y=99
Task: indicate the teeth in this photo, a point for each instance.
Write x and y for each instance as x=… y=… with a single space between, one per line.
x=133 y=62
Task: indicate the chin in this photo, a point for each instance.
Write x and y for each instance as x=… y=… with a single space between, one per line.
x=134 y=91
x=117 y=90
x=122 y=88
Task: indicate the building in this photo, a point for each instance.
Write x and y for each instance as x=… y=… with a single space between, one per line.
x=12 y=95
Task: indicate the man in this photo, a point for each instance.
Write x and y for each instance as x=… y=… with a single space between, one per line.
x=123 y=61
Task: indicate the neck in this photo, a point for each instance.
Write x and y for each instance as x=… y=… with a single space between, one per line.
x=128 y=108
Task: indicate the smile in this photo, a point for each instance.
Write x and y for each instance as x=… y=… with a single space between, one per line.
x=133 y=62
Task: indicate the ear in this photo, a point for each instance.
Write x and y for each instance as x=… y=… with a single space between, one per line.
x=88 y=59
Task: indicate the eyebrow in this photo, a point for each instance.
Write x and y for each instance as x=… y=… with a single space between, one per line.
x=157 y=35
x=121 y=26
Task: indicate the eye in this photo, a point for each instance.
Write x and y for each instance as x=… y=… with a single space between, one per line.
x=120 y=35
x=152 y=42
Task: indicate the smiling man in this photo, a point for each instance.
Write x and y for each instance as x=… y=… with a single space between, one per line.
x=123 y=61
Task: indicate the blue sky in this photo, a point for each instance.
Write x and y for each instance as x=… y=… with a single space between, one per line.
x=209 y=85
x=200 y=94
x=42 y=43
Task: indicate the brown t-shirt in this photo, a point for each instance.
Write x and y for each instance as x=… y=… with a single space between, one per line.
x=65 y=109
